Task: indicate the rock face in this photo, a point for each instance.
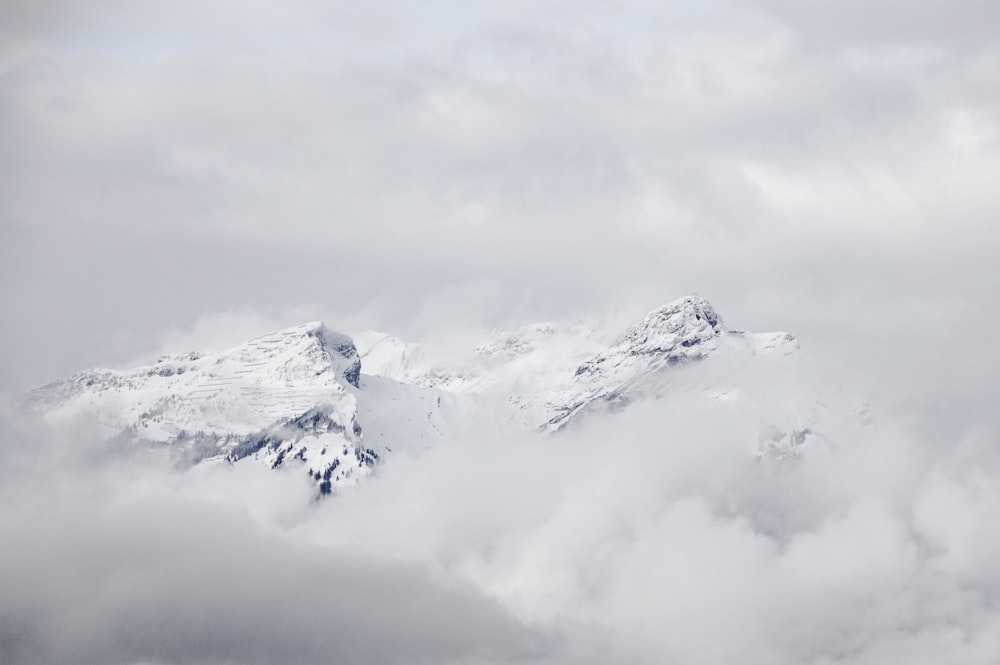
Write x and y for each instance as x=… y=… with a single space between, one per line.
x=552 y=374
x=297 y=397
x=685 y=329
x=263 y=381
x=682 y=332
x=281 y=396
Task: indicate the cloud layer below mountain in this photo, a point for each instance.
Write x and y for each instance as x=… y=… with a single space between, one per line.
x=199 y=174
x=650 y=536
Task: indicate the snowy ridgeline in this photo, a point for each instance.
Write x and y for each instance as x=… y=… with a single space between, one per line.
x=334 y=406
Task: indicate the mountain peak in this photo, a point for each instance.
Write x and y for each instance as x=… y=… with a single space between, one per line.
x=691 y=309
x=339 y=348
x=297 y=392
x=686 y=322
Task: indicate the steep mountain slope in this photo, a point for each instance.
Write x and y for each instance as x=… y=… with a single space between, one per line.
x=684 y=331
x=553 y=374
x=297 y=397
x=291 y=395
x=266 y=380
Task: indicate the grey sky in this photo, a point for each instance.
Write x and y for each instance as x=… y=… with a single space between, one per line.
x=827 y=169
x=180 y=174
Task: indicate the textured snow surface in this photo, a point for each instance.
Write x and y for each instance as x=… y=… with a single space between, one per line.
x=276 y=398
x=266 y=380
x=298 y=396
x=550 y=373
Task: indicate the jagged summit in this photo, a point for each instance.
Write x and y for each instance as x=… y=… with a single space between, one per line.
x=341 y=349
x=690 y=319
x=293 y=397
x=262 y=381
x=689 y=305
x=684 y=329
x=298 y=393
x=560 y=358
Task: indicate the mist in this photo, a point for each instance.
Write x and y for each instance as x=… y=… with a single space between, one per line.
x=190 y=176
x=122 y=558
x=651 y=535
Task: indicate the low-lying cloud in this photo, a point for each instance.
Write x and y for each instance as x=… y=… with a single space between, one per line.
x=650 y=536
x=195 y=175
x=124 y=560
x=656 y=537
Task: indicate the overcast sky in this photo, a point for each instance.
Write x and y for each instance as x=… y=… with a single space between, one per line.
x=182 y=174
x=824 y=168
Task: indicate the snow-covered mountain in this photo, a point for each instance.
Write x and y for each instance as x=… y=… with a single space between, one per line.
x=238 y=391
x=335 y=406
x=684 y=331
x=552 y=374
x=296 y=394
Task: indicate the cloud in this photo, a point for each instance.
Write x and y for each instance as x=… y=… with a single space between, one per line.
x=652 y=535
x=381 y=160
x=175 y=178
x=655 y=537
x=125 y=561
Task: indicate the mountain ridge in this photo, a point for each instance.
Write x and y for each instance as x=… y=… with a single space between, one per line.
x=302 y=393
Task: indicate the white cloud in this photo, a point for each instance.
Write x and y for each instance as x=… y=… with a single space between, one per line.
x=176 y=178
x=649 y=536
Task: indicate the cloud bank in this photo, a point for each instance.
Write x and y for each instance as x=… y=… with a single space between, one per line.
x=111 y=559
x=198 y=175
x=650 y=536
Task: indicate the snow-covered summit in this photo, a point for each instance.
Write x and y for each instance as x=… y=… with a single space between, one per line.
x=685 y=329
x=681 y=332
x=299 y=393
x=552 y=373
x=291 y=393
x=239 y=390
x=686 y=322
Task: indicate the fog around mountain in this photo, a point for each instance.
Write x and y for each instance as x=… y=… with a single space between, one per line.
x=191 y=177
x=660 y=531
x=652 y=536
